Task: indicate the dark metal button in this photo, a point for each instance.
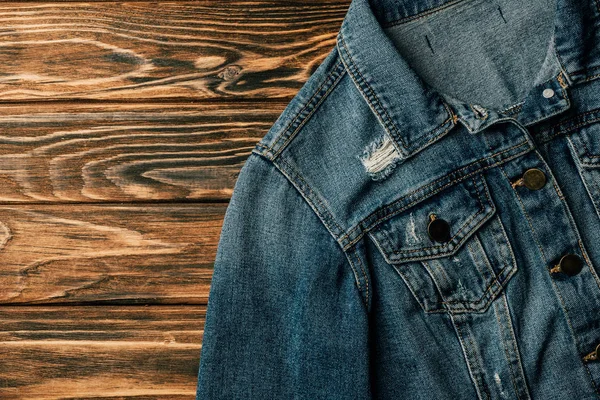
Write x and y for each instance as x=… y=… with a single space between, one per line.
x=570 y=264
x=438 y=229
x=534 y=179
x=593 y=356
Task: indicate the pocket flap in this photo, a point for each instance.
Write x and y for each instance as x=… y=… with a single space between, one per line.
x=405 y=236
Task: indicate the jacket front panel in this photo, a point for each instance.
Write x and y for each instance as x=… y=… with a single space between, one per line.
x=387 y=239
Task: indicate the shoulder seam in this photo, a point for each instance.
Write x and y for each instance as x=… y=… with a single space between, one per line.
x=361 y=277
x=299 y=119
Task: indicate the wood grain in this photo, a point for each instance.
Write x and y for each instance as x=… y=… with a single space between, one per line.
x=58 y=153
x=146 y=50
x=123 y=128
x=149 y=254
x=100 y=352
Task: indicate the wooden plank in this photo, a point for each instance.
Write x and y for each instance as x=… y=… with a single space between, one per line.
x=100 y=352
x=127 y=152
x=127 y=254
x=144 y=50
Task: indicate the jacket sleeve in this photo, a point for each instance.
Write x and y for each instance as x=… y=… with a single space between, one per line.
x=284 y=317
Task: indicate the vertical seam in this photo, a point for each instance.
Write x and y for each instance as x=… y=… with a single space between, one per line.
x=353 y=253
x=529 y=222
x=588 y=262
x=365 y=275
x=479 y=383
x=319 y=213
x=574 y=337
x=356 y=278
x=515 y=344
x=506 y=353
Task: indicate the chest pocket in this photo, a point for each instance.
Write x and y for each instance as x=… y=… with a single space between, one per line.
x=586 y=150
x=458 y=263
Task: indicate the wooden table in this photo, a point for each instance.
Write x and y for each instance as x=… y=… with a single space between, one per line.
x=123 y=126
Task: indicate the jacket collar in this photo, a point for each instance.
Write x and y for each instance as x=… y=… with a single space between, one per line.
x=411 y=112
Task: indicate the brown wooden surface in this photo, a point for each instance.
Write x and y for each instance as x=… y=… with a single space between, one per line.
x=111 y=152
x=150 y=254
x=104 y=352
x=123 y=127
x=144 y=50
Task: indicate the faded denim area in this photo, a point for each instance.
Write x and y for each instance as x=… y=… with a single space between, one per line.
x=422 y=221
x=501 y=55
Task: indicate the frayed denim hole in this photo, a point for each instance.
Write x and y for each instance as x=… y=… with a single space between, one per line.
x=379 y=158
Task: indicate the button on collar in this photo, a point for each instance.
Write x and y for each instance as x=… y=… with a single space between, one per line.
x=546 y=100
x=547 y=93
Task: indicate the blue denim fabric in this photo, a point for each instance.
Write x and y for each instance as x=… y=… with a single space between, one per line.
x=329 y=281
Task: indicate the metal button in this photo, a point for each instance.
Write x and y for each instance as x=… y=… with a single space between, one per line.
x=547 y=93
x=593 y=356
x=534 y=179
x=438 y=229
x=570 y=264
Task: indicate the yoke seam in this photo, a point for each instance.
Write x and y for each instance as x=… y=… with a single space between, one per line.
x=391 y=206
x=324 y=216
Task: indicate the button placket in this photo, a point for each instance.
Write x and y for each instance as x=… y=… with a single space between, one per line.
x=548 y=213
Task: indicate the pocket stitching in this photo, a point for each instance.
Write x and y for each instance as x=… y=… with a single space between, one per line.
x=488 y=266
x=407 y=281
x=394 y=251
x=496 y=282
x=480 y=304
x=493 y=287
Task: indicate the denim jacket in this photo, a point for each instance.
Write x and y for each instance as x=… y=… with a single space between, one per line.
x=422 y=221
